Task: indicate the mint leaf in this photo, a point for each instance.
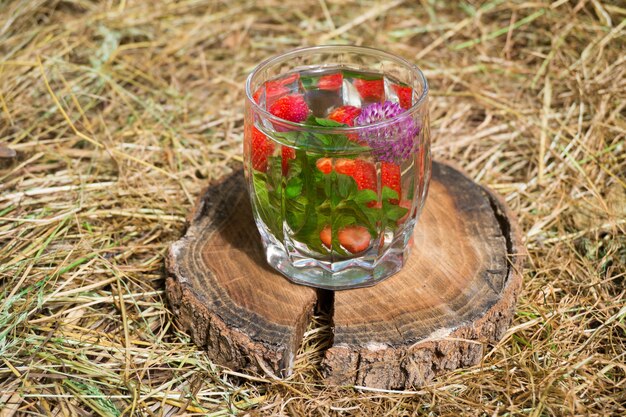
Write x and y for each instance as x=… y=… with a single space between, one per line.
x=394 y=213
x=345 y=186
x=295 y=213
x=365 y=196
x=295 y=168
x=328 y=122
x=293 y=188
x=389 y=194
x=275 y=172
x=261 y=193
x=373 y=216
x=266 y=209
x=320 y=143
x=308 y=82
x=360 y=75
x=310 y=234
x=325 y=140
x=360 y=215
x=310 y=121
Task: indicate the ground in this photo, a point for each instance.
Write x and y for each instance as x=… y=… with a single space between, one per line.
x=114 y=115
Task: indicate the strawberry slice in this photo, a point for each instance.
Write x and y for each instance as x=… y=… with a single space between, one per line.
x=405 y=95
x=345 y=115
x=326 y=236
x=262 y=148
x=287 y=154
x=325 y=165
x=345 y=166
x=370 y=90
x=330 y=82
x=274 y=88
x=390 y=177
x=353 y=238
x=291 y=107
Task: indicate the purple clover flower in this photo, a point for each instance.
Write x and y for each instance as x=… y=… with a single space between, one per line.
x=393 y=142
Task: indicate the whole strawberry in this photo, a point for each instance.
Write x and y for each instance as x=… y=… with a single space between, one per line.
x=291 y=107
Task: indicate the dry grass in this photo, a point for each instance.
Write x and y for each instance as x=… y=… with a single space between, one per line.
x=120 y=111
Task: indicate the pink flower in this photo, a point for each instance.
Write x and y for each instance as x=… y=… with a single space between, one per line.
x=392 y=142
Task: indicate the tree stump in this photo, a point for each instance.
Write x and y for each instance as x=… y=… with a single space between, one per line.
x=223 y=292
x=456 y=293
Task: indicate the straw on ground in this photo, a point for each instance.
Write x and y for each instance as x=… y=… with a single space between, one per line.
x=114 y=114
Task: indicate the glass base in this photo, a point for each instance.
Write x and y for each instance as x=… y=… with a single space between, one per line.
x=363 y=271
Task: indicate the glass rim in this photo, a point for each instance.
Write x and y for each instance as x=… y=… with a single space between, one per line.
x=342 y=48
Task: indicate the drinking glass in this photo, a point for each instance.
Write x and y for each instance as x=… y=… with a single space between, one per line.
x=337 y=162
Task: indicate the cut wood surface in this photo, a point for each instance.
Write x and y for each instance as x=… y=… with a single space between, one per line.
x=456 y=293
x=223 y=292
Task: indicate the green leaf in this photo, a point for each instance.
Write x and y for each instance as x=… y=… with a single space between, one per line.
x=293 y=188
x=359 y=213
x=394 y=213
x=265 y=203
x=308 y=82
x=260 y=187
x=345 y=186
x=275 y=171
x=295 y=213
x=389 y=194
x=321 y=143
x=365 y=196
x=373 y=215
x=326 y=141
x=360 y=75
x=328 y=122
x=295 y=168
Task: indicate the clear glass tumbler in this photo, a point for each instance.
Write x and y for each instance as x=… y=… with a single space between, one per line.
x=337 y=159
